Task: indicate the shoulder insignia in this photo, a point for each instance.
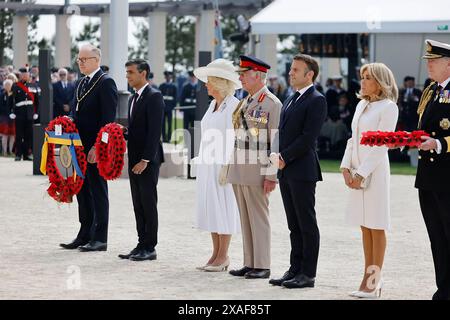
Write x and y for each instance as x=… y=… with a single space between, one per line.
x=262 y=97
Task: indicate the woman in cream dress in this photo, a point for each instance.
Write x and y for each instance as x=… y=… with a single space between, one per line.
x=369 y=207
x=217 y=210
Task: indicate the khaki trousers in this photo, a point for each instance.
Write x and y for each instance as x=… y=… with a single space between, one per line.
x=255 y=224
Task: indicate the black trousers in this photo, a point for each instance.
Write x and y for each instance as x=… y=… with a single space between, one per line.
x=93 y=206
x=299 y=200
x=145 y=198
x=188 y=118
x=435 y=208
x=24 y=137
x=167 y=128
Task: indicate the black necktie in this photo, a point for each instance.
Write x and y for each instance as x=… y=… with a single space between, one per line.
x=85 y=86
x=438 y=92
x=133 y=104
x=294 y=98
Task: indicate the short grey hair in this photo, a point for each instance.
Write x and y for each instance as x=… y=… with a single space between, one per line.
x=96 y=51
x=263 y=76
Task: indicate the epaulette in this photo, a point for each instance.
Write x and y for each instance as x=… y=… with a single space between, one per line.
x=271 y=96
x=426 y=97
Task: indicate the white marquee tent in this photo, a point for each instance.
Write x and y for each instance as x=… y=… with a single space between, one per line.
x=397 y=28
x=353 y=16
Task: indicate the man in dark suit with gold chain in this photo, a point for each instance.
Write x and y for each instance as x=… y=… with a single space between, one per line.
x=433 y=171
x=95 y=105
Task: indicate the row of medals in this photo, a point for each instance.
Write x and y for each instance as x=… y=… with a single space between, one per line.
x=254 y=131
x=444 y=97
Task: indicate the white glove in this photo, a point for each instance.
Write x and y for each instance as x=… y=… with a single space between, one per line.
x=12 y=116
x=35 y=116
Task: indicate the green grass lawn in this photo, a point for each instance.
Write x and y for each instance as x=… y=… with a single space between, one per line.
x=403 y=168
x=396 y=167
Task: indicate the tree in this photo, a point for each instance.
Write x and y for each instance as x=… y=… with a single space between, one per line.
x=141 y=35
x=180 y=43
x=231 y=50
x=6 y=32
x=6 y=19
x=90 y=33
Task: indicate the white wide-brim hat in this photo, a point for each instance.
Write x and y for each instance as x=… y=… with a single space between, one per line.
x=219 y=68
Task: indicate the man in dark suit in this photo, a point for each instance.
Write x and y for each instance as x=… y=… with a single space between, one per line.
x=169 y=92
x=302 y=117
x=94 y=106
x=433 y=171
x=145 y=154
x=63 y=92
x=188 y=100
x=408 y=101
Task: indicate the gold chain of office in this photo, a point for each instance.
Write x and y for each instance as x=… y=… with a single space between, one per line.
x=90 y=89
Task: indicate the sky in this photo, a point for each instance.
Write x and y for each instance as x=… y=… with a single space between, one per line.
x=46 y=23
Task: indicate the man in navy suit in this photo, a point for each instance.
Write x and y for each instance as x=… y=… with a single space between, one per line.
x=145 y=154
x=94 y=106
x=63 y=92
x=302 y=117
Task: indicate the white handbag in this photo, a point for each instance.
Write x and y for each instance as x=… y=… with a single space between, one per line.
x=365 y=182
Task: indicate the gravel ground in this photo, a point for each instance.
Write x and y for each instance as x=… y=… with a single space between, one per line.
x=34 y=267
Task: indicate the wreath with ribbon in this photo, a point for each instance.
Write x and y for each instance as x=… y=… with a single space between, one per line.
x=110 y=148
x=393 y=139
x=63 y=189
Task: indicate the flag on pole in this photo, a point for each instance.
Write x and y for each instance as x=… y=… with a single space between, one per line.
x=218 y=52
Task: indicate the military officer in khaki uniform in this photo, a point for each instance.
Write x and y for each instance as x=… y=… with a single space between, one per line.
x=433 y=171
x=255 y=120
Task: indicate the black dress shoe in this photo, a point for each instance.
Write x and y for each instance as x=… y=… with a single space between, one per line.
x=127 y=256
x=27 y=159
x=94 y=246
x=17 y=158
x=288 y=275
x=258 y=274
x=299 y=281
x=240 y=272
x=143 y=254
x=74 y=244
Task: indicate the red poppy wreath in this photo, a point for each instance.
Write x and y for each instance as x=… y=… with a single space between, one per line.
x=110 y=149
x=393 y=139
x=62 y=131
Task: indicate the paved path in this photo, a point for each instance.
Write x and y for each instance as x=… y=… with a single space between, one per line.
x=33 y=267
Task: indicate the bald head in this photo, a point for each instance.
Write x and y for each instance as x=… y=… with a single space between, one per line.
x=89 y=58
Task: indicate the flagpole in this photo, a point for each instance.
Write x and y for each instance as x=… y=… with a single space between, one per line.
x=218 y=50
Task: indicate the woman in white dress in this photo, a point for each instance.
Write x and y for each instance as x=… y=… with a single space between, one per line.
x=366 y=171
x=217 y=210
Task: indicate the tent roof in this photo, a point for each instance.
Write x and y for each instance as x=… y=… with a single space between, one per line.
x=352 y=16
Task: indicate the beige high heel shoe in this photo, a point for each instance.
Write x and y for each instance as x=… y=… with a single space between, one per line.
x=202 y=268
x=219 y=268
